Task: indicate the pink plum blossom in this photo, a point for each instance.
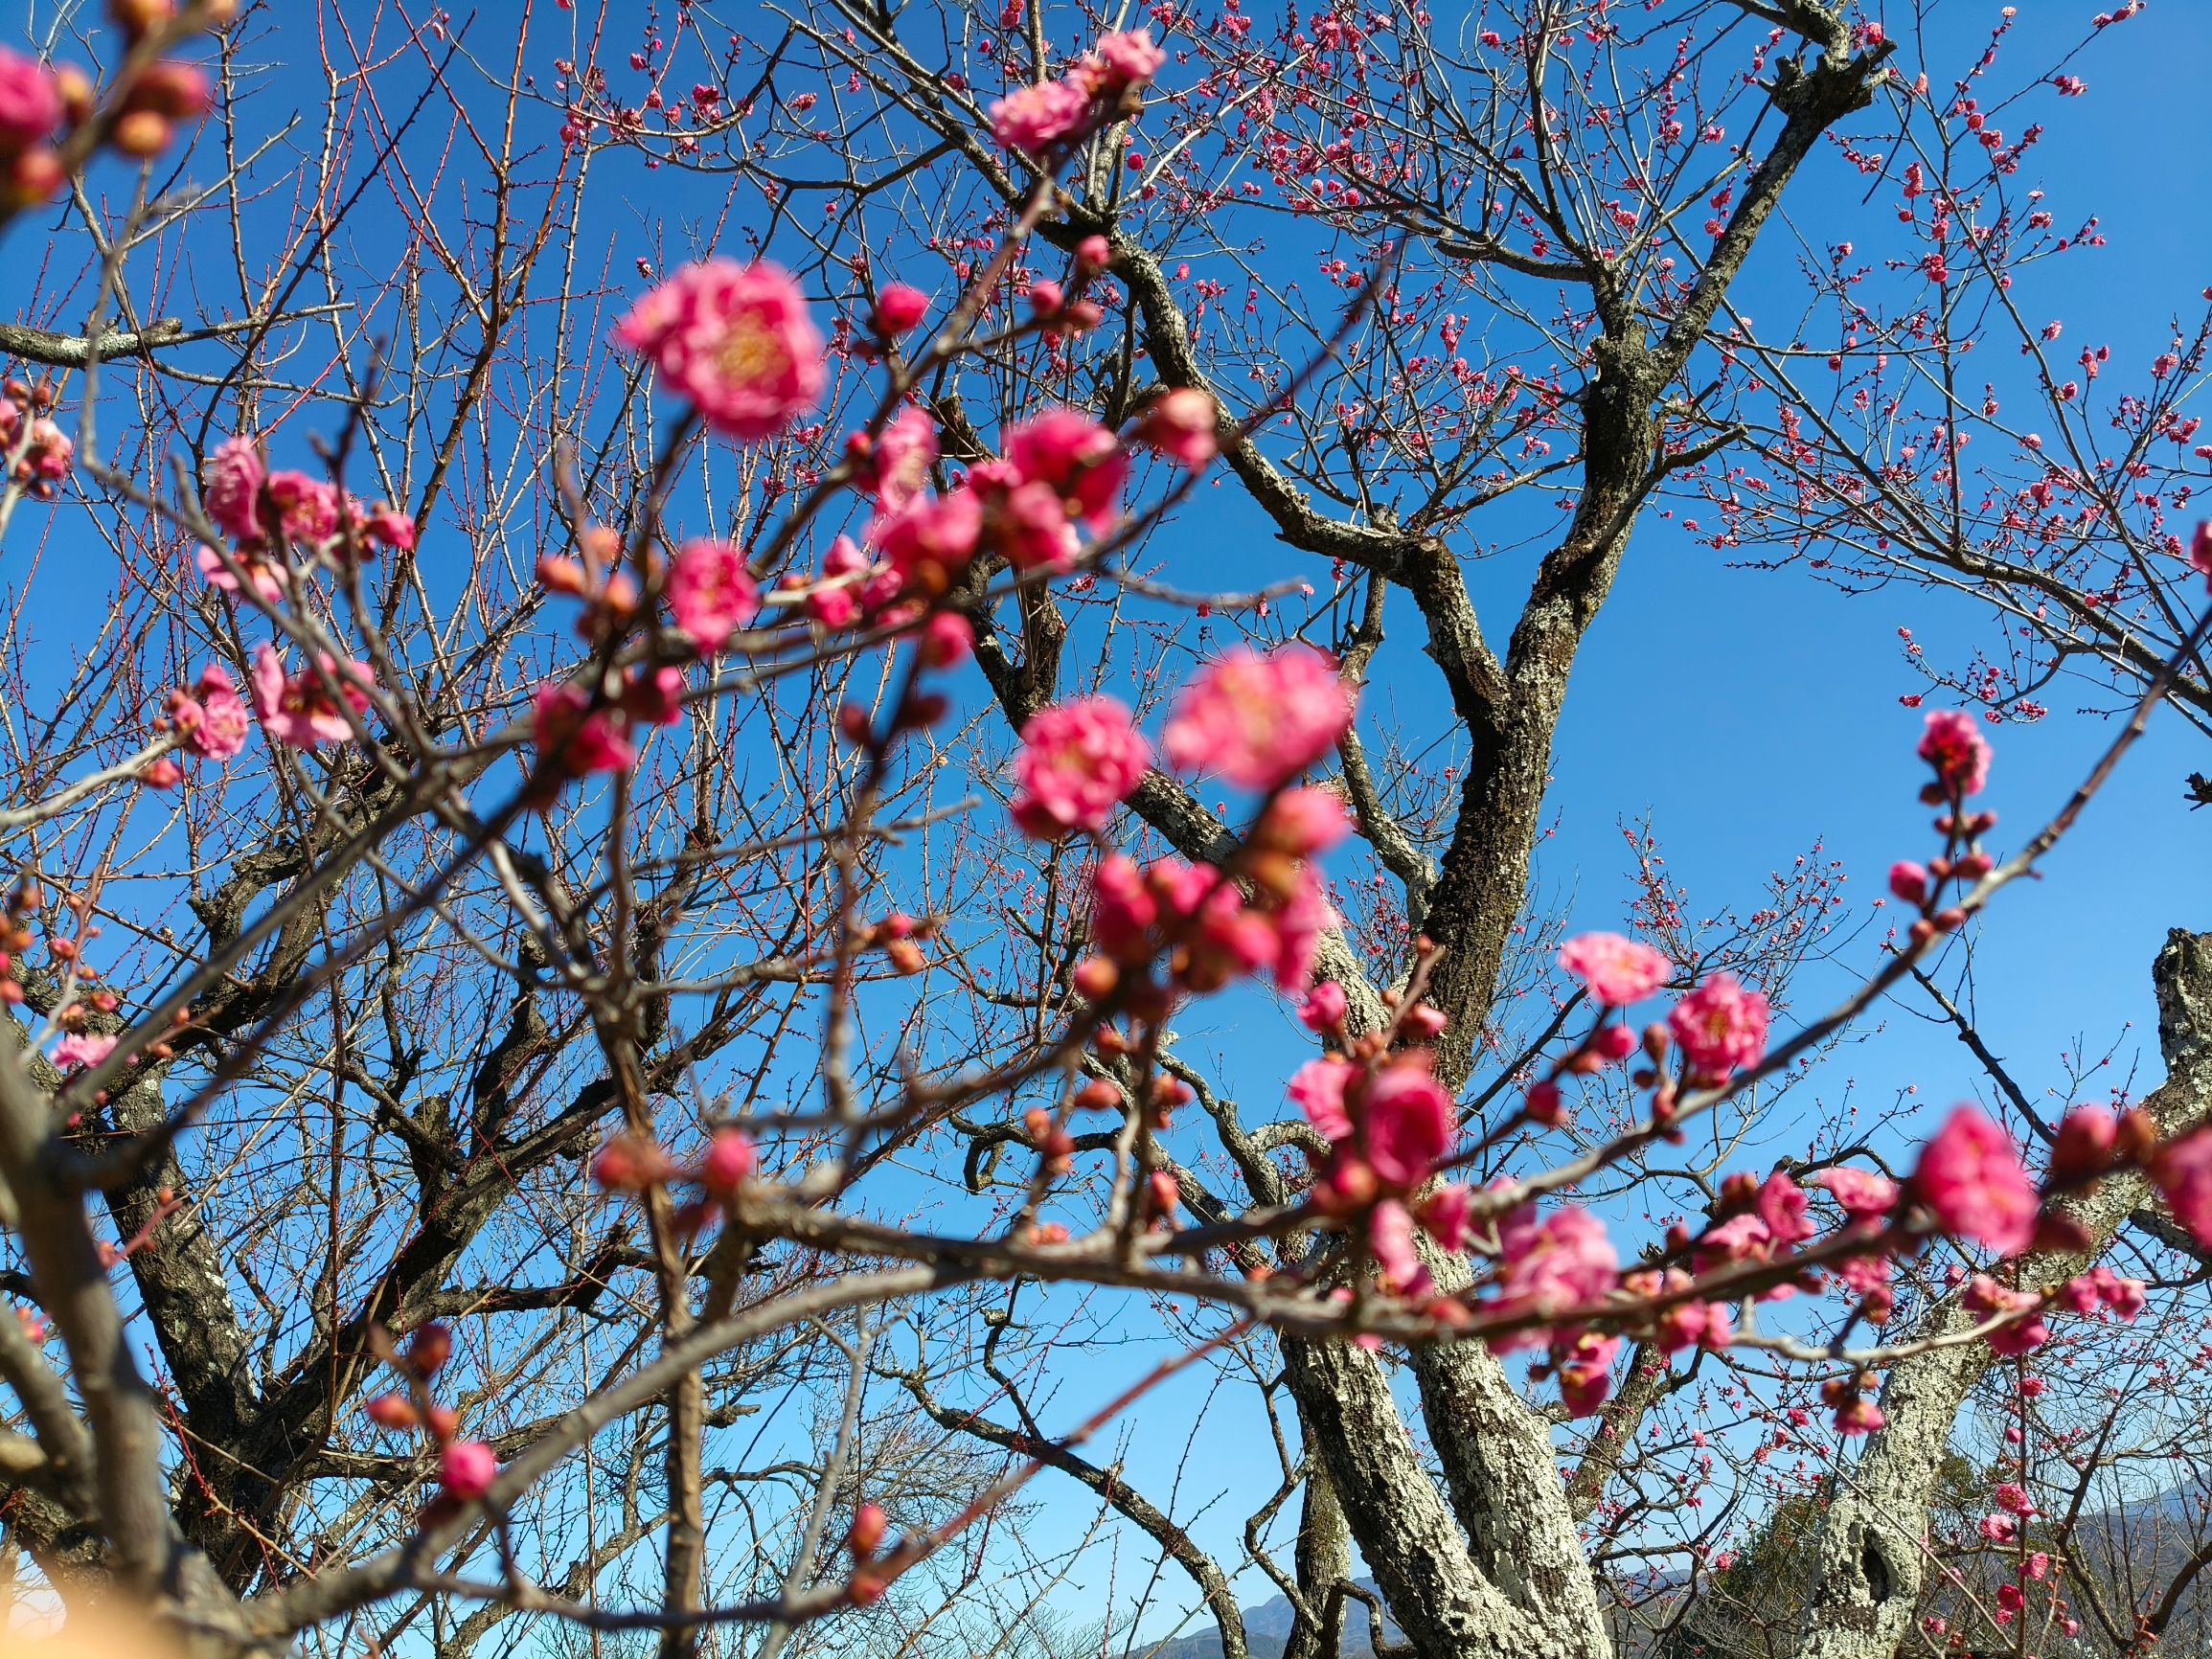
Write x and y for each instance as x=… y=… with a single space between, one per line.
x=1969 y=1176
x=231 y=487
x=1317 y=1088
x=296 y=709
x=466 y=1468
x=1721 y=1026
x=737 y=340
x=710 y=592
x=1956 y=749
x=1036 y=118
x=573 y=738
x=1585 y=1371
x=1390 y=1236
x=220 y=729
x=1259 y=720
x=900 y=463
x=1562 y=1263
x=1324 y=1007
x=1405 y=1124
x=1303 y=822
x=267 y=576
x=1858 y=1191
x=1782 y=1206
x=1618 y=972
x=900 y=307
x=82 y=1049
x=1449 y=1214
x=1076 y=458
x=2182 y=1170
x=30 y=107
x=1182 y=425
x=1078 y=759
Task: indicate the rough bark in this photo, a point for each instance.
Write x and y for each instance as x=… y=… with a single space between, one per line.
x=1872 y=1563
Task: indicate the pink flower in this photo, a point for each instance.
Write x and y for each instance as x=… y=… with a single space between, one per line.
x=82 y=1049
x=1741 y=1238
x=1303 y=822
x=653 y=695
x=296 y=709
x=573 y=738
x=1957 y=750
x=730 y=1159
x=948 y=638
x=29 y=108
x=1909 y=882
x=1317 y=1087
x=231 y=487
x=736 y=340
x=1449 y=1214
x=1999 y=1528
x=932 y=538
x=1258 y=719
x=1860 y=1192
x=1782 y=1206
x=2182 y=1168
x=1324 y=1005
x=1618 y=970
x=1127 y=58
x=1078 y=761
x=1969 y=1176
x=220 y=730
x=710 y=592
x=1563 y=1263
x=2200 y=552
x=466 y=1468
x=1390 y=1236
x=1182 y=425
x=1031 y=527
x=1985 y=1298
x=1585 y=1371
x=1687 y=1323
x=1406 y=1123
x=899 y=466
x=1036 y=118
x=306 y=507
x=1859 y=1415
x=900 y=307
x=1721 y=1026
x=1299 y=922
x=1123 y=908
x=267 y=578
x=390 y=525
x=1077 y=457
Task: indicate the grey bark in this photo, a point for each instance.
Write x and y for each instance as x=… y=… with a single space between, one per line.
x=1872 y=1560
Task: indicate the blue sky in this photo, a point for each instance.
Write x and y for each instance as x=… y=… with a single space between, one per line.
x=1752 y=715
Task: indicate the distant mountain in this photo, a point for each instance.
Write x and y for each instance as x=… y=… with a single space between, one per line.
x=1266 y=1630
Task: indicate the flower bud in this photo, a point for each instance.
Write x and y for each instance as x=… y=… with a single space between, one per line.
x=1908 y=881
x=1544 y=1104
x=730 y=1158
x=392 y=1411
x=1615 y=1042
x=1096 y=977
x=141 y=133
x=869 y=1525
x=432 y=1346
x=1323 y=1008
x=947 y=640
x=1099 y=1095
x=74 y=87
x=175 y=90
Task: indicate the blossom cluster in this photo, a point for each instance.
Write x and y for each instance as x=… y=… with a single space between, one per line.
x=39 y=452
x=1102 y=85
